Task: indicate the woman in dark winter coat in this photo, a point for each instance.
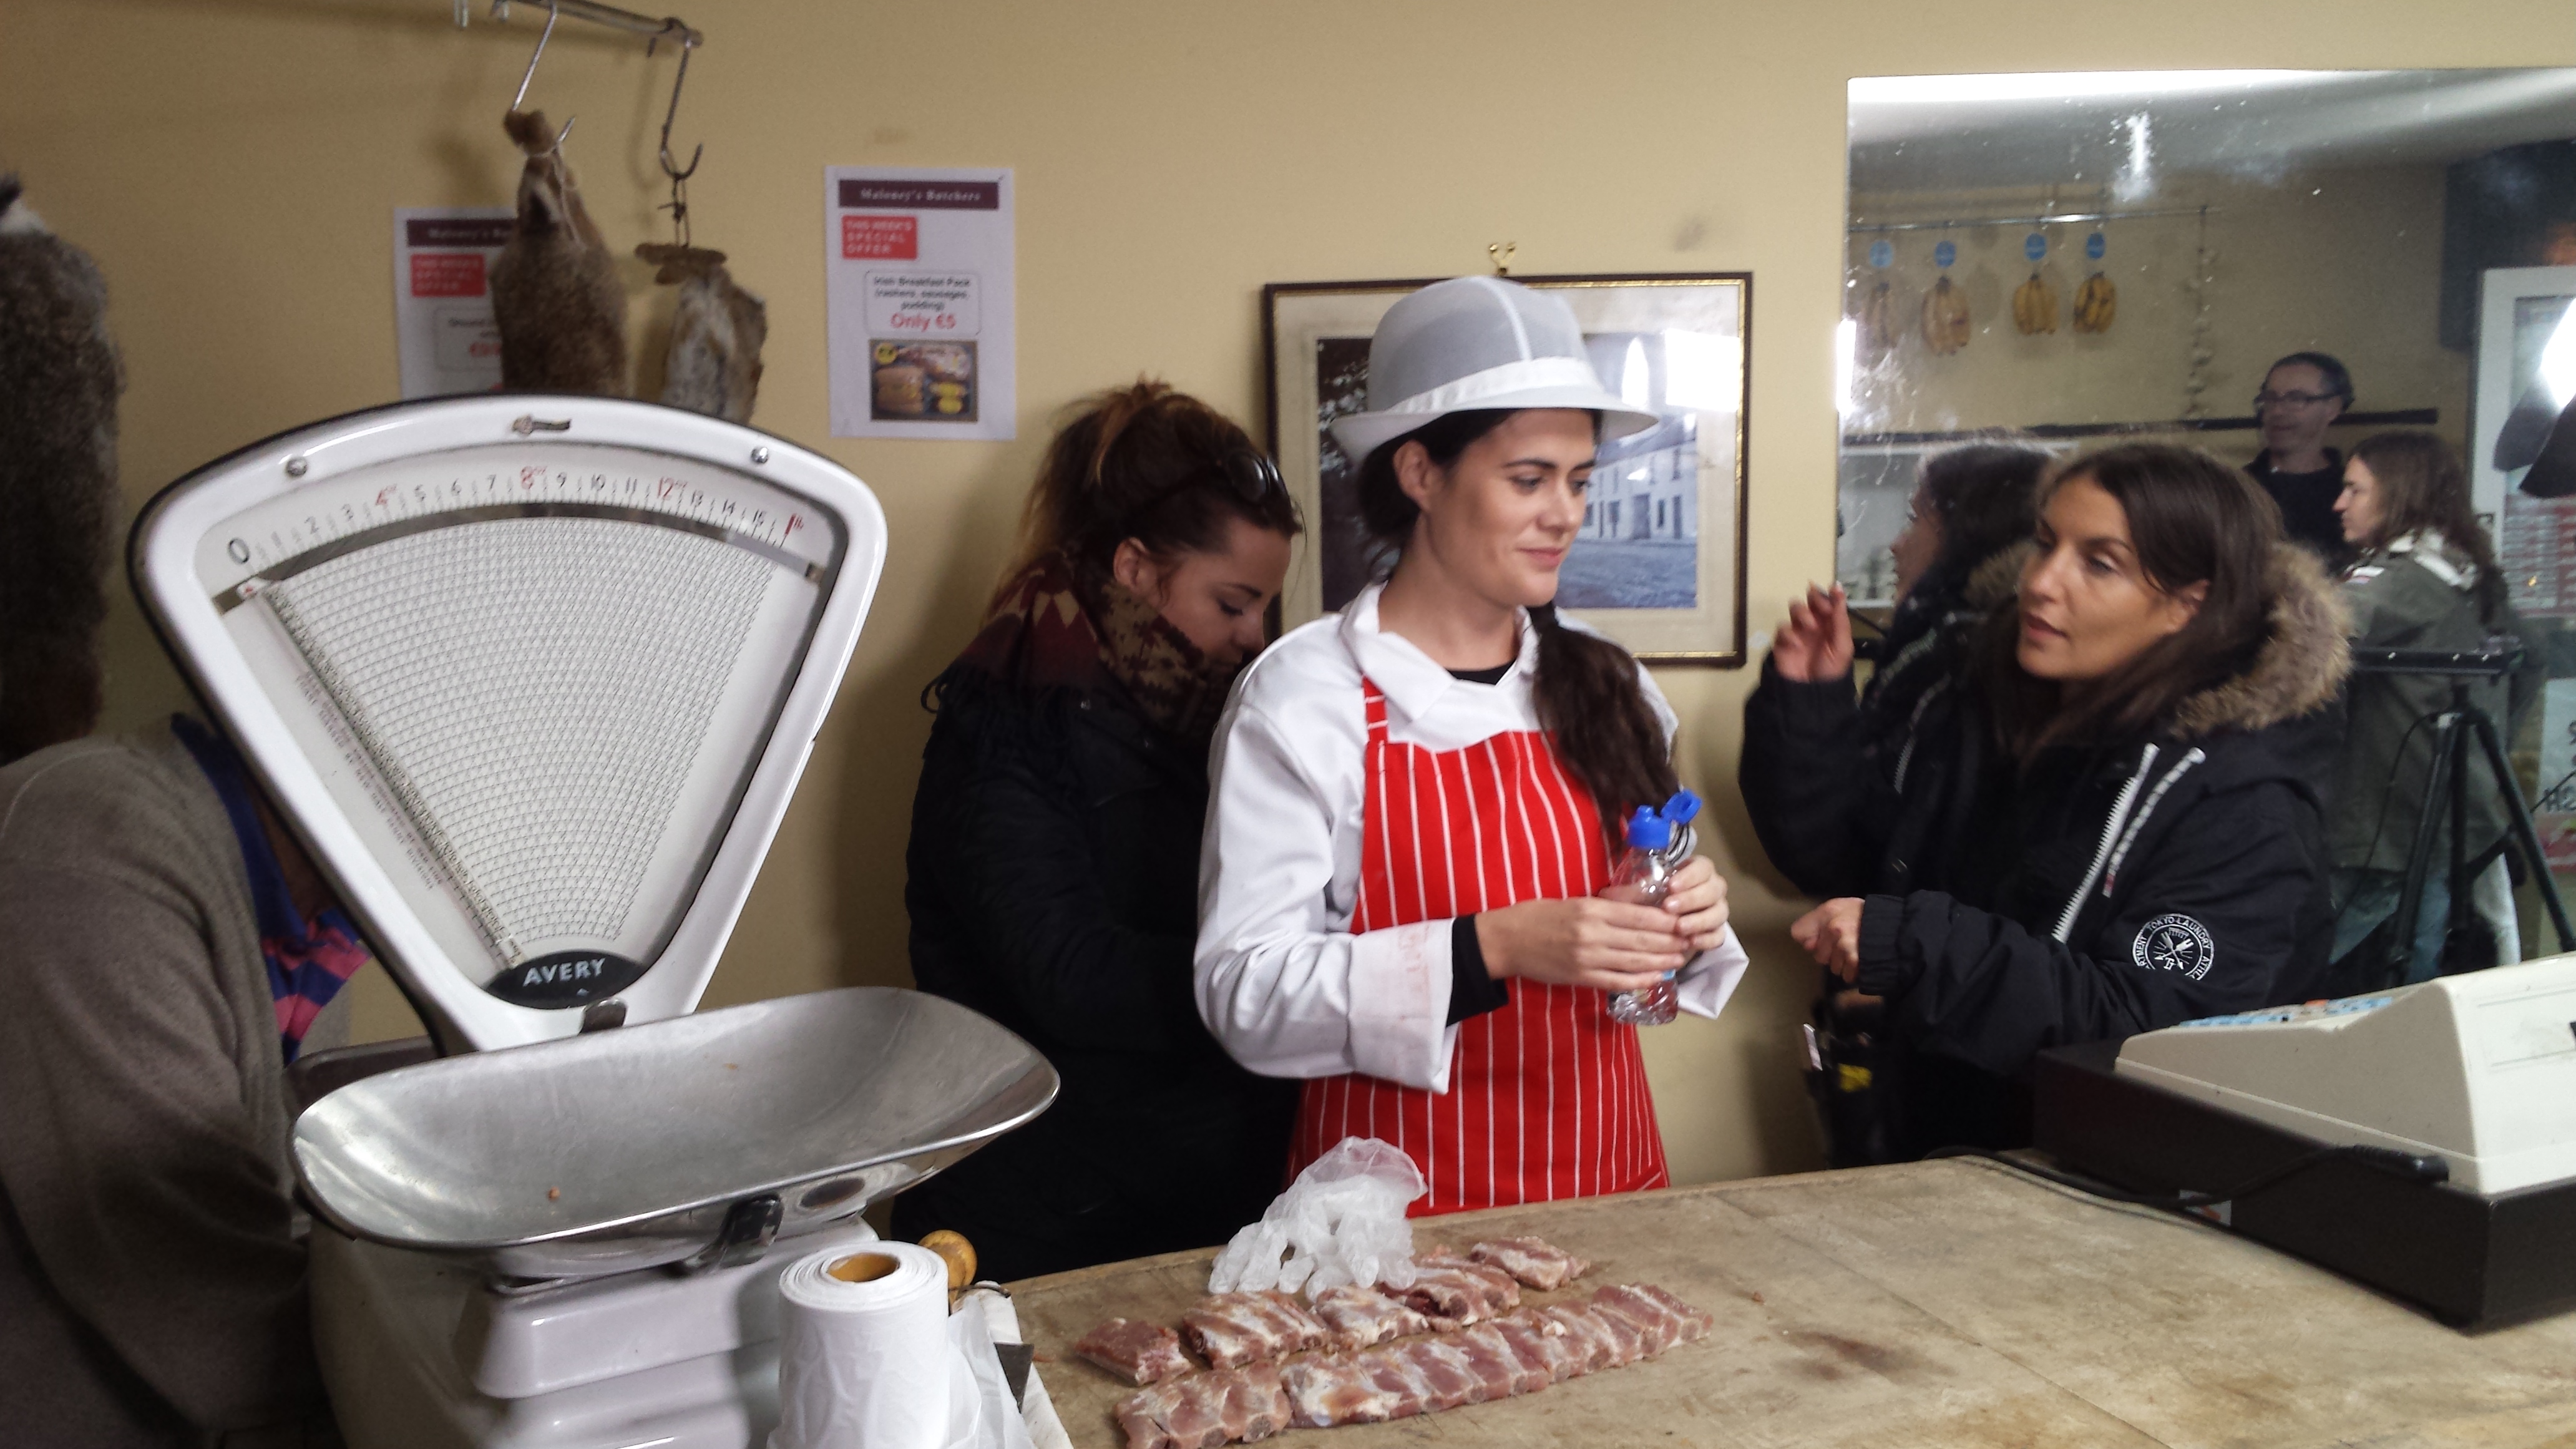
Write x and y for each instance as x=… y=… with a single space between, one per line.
x=2153 y=851
x=1850 y=796
x=2426 y=579
x=1053 y=868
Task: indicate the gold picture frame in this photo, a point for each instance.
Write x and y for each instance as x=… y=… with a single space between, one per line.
x=1660 y=563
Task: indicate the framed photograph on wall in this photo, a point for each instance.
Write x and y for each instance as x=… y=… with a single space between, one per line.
x=1659 y=562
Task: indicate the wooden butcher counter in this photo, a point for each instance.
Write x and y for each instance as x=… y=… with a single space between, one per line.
x=1931 y=1306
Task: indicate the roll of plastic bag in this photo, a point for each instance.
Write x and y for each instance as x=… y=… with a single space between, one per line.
x=1341 y=1222
x=864 y=1356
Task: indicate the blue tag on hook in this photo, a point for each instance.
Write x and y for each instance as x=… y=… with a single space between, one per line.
x=1882 y=252
x=2095 y=246
x=1944 y=254
x=2035 y=245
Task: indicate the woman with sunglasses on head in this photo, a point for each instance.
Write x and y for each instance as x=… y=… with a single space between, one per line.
x=1417 y=802
x=2153 y=847
x=1055 y=836
x=2426 y=578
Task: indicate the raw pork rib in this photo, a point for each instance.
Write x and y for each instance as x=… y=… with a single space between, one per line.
x=1359 y=1388
x=1534 y=1261
x=1453 y=1293
x=1452 y=1379
x=1660 y=1326
x=1133 y=1349
x=1364 y=1317
x=1507 y=1356
x=1179 y=1413
x=1202 y=1411
x=1234 y=1329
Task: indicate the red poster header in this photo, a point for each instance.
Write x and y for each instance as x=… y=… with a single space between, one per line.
x=881 y=238
x=447 y=274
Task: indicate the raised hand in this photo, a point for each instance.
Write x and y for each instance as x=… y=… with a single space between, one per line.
x=1816 y=643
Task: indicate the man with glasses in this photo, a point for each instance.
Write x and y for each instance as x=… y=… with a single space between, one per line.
x=2302 y=396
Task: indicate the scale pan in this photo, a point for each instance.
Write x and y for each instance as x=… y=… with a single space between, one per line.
x=625 y=1149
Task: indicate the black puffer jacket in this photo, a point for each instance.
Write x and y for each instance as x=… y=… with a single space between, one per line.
x=2120 y=888
x=1851 y=797
x=1053 y=878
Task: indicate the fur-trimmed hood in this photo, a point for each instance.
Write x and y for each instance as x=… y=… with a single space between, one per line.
x=2301 y=666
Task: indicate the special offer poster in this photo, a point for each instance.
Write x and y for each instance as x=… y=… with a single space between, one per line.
x=443 y=326
x=918 y=292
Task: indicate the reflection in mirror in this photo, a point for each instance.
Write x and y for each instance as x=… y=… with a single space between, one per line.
x=2075 y=257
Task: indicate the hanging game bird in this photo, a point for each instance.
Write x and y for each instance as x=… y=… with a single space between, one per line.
x=2034 y=307
x=555 y=293
x=1945 y=317
x=1877 y=322
x=2096 y=303
x=716 y=332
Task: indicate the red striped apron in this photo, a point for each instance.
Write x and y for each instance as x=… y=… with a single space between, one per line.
x=1547 y=1097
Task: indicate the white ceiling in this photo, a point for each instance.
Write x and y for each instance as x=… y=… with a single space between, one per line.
x=2081 y=128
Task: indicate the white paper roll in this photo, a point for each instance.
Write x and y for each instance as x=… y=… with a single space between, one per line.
x=864 y=1365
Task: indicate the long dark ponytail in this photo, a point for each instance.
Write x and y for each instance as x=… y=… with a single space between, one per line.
x=1588 y=697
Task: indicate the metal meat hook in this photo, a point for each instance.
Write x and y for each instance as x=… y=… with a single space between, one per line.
x=552 y=15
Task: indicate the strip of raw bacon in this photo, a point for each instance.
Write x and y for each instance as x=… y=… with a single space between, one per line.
x=1501 y=1293
x=1451 y=1378
x=1657 y=1325
x=1498 y=1364
x=1517 y=1341
x=1256 y=1403
x=1182 y=1413
x=1364 y=1317
x=1360 y=1388
x=1395 y=1375
x=1230 y=1330
x=1695 y=1322
x=1534 y=1261
x=1133 y=1349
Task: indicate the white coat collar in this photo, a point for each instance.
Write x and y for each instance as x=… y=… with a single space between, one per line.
x=1411 y=681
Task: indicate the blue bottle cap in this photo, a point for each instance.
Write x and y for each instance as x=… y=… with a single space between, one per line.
x=1648 y=830
x=1682 y=809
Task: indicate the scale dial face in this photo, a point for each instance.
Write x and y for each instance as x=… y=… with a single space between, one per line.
x=535 y=678
x=305 y=526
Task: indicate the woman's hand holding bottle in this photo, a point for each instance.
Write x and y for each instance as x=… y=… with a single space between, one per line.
x=1603 y=941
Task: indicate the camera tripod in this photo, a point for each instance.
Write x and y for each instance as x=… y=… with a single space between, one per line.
x=2456 y=731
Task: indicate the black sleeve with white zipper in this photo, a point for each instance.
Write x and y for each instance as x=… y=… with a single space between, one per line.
x=2198 y=901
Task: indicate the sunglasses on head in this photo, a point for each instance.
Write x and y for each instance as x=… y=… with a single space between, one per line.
x=1246 y=473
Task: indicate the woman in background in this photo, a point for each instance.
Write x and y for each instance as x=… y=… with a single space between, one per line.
x=2154 y=850
x=2426 y=579
x=1055 y=839
x=1877 y=794
x=1871 y=794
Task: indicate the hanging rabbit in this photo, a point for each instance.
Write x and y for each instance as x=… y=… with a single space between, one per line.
x=555 y=293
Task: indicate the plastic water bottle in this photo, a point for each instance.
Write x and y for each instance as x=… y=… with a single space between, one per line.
x=1658 y=842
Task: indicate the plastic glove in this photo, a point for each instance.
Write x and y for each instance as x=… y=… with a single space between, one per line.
x=1340 y=1223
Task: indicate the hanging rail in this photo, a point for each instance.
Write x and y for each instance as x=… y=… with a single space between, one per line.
x=2040 y=219
x=669 y=27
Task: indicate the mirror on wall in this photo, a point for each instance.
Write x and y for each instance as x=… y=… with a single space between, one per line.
x=2076 y=257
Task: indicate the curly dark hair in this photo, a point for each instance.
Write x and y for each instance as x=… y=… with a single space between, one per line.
x=59 y=380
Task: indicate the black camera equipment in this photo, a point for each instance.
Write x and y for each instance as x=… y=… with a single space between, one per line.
x=2455 y=731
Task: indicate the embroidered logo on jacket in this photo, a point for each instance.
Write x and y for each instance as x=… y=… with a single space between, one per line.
x=2174 y=943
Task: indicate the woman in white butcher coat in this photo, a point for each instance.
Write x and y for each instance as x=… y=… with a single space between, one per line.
x=1416 y=801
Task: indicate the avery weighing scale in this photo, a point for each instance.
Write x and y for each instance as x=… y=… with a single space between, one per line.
x=532 y=678
x=2421 y=1140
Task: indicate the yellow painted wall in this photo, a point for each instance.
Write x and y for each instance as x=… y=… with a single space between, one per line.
x=233 y=164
